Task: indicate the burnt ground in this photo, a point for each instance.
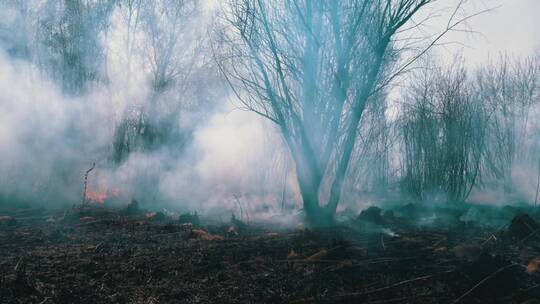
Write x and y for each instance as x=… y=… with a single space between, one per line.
x=100 y=255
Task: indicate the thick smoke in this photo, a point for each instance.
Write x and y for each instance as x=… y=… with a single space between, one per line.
x=225 y=160
x=48 y=140
x=215 y=159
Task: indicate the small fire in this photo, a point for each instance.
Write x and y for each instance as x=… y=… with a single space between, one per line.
x=99 y=189
x=95 y=196
x=99 y=196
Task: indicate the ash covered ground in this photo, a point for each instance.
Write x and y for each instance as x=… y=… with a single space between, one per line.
x=404 y=254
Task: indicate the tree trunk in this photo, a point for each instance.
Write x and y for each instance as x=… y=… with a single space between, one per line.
x=351 y=135
x=309 y=182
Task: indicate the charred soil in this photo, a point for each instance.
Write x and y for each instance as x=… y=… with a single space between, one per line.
x=101 y=255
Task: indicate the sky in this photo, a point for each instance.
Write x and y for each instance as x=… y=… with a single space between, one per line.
x=511 y=27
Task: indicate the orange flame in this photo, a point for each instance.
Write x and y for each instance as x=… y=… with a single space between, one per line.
x=95 y=196
x=99 y=196
x=99 y=190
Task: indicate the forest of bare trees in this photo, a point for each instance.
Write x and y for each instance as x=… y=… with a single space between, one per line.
x=462 y=130
x=324 y=74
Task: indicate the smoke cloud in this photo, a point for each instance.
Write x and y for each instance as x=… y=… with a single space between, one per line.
x=49 y=139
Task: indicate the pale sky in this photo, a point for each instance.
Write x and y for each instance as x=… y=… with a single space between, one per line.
x=513 y=27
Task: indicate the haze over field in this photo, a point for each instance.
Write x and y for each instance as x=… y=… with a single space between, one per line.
x=162 y=95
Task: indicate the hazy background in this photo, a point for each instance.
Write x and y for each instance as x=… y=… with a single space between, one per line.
x=226 y=157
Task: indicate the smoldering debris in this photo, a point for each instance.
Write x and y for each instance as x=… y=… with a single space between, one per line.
x=91 y=249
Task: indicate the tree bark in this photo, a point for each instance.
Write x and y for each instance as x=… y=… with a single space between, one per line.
x=350 y=139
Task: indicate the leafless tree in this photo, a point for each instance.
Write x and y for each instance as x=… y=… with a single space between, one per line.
x=444 y=135
x=312 y=68
x=510 y=89
x=370 y=169
x=70 y=49
x=459 y=132
x=168 y=52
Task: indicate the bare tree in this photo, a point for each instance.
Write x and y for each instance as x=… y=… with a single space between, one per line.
x=509 y=89
x=312 y=67
x=444 y=135
x=370 y=169
x=459 y=132
x=69 y=38
x=168 y=54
